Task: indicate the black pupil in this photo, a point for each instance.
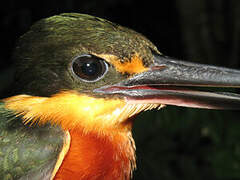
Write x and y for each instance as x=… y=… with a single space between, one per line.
x=89 y=68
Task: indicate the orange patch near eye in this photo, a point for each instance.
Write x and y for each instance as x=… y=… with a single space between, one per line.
x=132 y=66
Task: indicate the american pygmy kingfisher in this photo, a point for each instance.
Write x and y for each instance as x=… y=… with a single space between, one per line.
x=79 y=80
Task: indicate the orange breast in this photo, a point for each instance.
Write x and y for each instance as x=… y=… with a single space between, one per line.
x=93 y=157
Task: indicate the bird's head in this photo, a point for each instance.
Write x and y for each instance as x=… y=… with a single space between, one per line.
x=79 y=71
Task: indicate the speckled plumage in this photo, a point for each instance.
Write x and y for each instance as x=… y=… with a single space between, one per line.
x=25 y=151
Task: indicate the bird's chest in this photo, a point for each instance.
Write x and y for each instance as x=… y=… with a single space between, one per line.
x=93 y=157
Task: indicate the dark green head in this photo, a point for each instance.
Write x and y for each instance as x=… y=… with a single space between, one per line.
x=45 y=53
x=94 y=56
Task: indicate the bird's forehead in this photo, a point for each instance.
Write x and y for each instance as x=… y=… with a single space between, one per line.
x=101 y=37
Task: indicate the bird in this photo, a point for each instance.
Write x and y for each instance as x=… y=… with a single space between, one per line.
x=79 y=82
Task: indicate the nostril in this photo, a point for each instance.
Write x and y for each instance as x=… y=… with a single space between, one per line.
x=158 y=67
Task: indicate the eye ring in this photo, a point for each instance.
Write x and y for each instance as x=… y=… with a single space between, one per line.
x=89 y=68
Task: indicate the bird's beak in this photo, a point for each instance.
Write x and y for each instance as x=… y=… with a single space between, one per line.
x=168 y=81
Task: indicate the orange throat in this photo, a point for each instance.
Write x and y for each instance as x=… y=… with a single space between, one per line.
x=93 y=157
x=101 y=144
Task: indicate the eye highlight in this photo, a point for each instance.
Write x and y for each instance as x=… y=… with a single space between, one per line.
x=89 y=68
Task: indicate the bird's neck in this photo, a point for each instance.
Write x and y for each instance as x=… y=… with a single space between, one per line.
x=92 y=156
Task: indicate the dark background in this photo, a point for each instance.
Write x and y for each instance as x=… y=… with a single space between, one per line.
x=173 y=143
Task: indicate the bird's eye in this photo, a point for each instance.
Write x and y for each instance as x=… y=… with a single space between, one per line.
x=89 y=68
